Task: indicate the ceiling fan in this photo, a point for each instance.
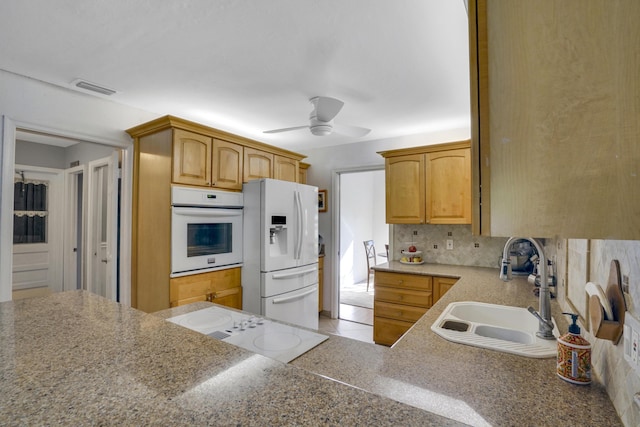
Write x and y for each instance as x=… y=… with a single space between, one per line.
x=321 y=119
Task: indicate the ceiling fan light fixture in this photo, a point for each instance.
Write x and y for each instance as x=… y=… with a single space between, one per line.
x=321 y=130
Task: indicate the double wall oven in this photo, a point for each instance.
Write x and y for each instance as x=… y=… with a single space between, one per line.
x=206 y=230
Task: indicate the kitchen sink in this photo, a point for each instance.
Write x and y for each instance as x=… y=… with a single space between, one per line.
x=495 y=327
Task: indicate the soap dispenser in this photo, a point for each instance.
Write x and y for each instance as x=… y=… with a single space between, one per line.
x=574 y=355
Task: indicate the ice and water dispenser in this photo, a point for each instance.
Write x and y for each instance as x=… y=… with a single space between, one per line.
x=278 y=235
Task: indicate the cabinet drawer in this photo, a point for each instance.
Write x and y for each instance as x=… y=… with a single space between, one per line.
x=205 y=285
x=401 y=280
x=403 y=296
x=388 y=331
x=398 y=311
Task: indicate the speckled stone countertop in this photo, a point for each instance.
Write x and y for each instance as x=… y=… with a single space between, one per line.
x=74 y=359
x=475 y=386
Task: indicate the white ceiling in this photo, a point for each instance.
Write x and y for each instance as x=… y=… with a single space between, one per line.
x=245 y=66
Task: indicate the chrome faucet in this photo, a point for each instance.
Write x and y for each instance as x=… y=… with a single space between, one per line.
x=545 y=329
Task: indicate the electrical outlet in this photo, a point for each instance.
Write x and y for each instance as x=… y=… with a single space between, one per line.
x=631 y=347
x=415 y=232
x=449 y=244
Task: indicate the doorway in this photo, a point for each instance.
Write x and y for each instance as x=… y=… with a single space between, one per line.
x=361 y=218
x=93 y=181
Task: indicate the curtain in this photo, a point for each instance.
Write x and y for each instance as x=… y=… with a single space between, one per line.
x=30 y=211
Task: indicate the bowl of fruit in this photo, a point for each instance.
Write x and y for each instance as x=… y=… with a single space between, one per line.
x=411 y=255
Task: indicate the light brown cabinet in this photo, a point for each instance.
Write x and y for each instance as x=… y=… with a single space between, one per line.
x=302 y=172
x=207 y=162
x=429 y=185
x=285 y=168
x=170 y=151
x=257 y=164
x=555 y=108
x=261 y=164
x=401 y=299
x=441 y=285
x=222 y=287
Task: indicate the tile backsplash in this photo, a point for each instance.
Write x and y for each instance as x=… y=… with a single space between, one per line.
x=432 y=241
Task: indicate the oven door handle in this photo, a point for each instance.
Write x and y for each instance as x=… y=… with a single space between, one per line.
x=294 y=297
x=206 y=212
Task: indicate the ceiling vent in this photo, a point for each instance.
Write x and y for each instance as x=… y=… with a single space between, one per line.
x=92 y=87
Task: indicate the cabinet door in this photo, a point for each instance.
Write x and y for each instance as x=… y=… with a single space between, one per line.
x=191 y=158
x=448 y=185
x=388 y=331
x=257 y=164
x=405 y=189
x=556 y=127
x=227 y=161
x=222 y=287
x=441 y=285
x=302 y=172
x=285 y=168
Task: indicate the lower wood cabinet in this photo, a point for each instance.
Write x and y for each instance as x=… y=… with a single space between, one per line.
x=221 y=287
x=400 y=300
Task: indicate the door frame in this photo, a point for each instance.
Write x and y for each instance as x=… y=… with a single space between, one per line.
x=335 y=227
x=8 y=128
x=71 y=221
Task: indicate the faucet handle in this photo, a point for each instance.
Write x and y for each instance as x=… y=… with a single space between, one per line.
x=505 y=270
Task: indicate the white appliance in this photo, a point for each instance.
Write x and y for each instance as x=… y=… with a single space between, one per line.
x=280 y=265
x=206 y=230
x=263 y=336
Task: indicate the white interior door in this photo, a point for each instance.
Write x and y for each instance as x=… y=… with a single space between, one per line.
x=102 y=229
x=74 y=227
x=37 y=229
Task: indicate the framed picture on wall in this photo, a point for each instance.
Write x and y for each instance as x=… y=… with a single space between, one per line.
x=322 y=200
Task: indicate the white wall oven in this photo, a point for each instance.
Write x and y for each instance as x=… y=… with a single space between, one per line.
x=206 y=230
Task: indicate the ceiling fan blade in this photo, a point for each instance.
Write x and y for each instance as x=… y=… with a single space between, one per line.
x=354 y=131
x=326 y=108
x=285 y=129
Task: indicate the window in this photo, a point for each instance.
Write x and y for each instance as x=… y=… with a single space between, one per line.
x=29 y=211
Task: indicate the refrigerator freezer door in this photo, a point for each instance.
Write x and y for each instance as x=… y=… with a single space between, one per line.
x=298 y=307
x=282 y=281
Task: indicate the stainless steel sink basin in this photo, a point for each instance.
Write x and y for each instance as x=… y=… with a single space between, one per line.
x=496 y=327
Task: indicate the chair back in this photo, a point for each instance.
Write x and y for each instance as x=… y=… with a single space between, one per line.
x=370 y=252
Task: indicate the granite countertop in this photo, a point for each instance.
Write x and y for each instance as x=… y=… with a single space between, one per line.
x=75 y=358
x=469 y=384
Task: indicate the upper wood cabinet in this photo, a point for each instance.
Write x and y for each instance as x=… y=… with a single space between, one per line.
x=191 y=158
x=555 y=108
x=227 y=165
x=205 y=161
x=302 y=172
x=285 y=168
x=258 y=164
x=261 y=164
x=430 y=184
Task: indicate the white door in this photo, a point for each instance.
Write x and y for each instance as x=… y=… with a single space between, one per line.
x=102 y=228
x=280 y=225
x=74 y=227
x=37 y=229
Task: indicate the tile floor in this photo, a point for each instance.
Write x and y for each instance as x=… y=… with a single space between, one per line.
x=346 y=328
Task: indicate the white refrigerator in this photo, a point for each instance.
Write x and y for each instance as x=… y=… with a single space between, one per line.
x=280 y=262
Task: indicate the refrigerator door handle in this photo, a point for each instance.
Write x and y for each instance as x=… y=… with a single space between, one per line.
x=299 y=216
x=295 y=274
x=294 y=297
